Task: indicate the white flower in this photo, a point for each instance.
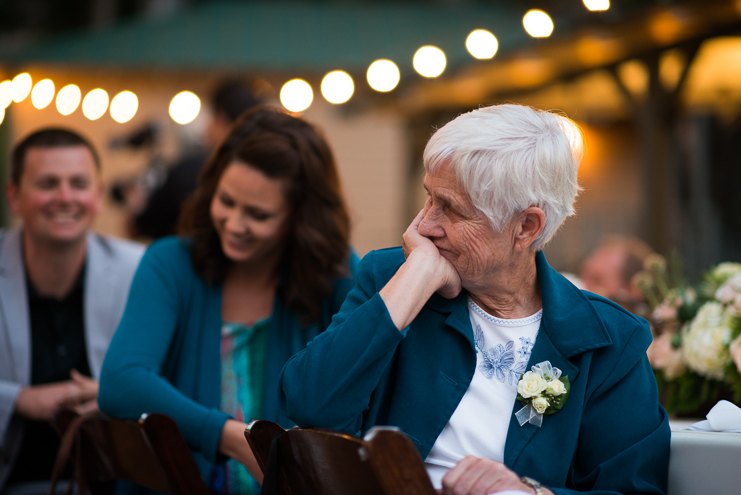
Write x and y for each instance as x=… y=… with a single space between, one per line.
x=737 y=305
x=531 y=384
x=726 y=270
x=664 y=311
x=540 y=404
x=705 y=341
x=727 y=292
x=556 y=387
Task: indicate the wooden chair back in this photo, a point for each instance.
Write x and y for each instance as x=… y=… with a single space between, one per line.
x=150 y=452
x=314 y=461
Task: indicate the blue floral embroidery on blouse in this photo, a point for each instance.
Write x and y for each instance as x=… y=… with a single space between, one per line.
x=500 y=360
x=527 y=347
x=497 y=361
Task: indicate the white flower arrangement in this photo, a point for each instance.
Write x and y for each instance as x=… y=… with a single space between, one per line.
x=706 y=339
x=696 y=351
x=543 y=391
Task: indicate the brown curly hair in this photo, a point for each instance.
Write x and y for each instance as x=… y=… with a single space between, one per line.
x=290 y=149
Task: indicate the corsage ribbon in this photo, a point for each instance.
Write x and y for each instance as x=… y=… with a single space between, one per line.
x=529 y=414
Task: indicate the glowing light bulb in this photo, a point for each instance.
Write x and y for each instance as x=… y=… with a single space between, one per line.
x=124 y=106
x=21 y=87
x=68 y=99
x=383 y=75
x=537 y=23
x=296 y=95
x=6 y=94
x=95 y=104
x=597 y=5
x=185 y=107
x=337 y=87
x=42 y=93
x=429 y=61
x=482 y=44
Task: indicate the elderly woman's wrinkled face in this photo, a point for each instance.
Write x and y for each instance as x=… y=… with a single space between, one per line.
x=463 y=236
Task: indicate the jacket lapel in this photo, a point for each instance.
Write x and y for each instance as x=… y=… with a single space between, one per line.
x=570 y=326
x=458 y=317
x=14 y=301
x=99 y=300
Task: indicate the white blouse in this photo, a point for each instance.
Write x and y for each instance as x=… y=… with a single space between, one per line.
x=479 y=424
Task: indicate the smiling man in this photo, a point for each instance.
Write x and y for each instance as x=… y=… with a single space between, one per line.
x=62 y=293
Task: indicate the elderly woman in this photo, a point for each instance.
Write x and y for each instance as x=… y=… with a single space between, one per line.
x=499 y=370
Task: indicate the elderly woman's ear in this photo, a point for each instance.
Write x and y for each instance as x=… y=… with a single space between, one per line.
x=529 y=224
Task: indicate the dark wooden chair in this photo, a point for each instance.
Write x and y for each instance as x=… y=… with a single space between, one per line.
x=314 y=461
x=150 y=452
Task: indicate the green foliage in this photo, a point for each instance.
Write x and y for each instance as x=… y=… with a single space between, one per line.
x=692 y=394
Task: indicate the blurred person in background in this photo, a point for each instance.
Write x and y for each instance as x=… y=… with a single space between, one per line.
x=609 y=269
x=154 y=212
x=213 y=316
x=62 y=293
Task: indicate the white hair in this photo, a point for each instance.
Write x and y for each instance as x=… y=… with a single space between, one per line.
x=508 y=158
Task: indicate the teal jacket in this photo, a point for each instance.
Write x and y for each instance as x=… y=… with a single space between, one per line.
x=165 y=355
x=612 y=435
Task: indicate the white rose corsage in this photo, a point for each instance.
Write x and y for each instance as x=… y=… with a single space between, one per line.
x=543 y=391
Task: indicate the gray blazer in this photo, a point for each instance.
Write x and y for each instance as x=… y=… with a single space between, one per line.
x=110 y=267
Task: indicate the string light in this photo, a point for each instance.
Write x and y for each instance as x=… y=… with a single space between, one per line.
x=21 y=87
x=429 y=61
x=537 y=23
x=95 y=104
x=383 y=75
x=296 y=95
x=42 y=93
x=482 y=44
x=185 y=107
x=597 y=5
x=68 y=99
x=6 y=94
x=337 y=87
x=124 y=106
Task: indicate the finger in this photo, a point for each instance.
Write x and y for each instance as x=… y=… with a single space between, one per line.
x=458 y=472
x=88 y=407
x=78 y=395
x=78 y=377
x=411 y=232
x=490 y=479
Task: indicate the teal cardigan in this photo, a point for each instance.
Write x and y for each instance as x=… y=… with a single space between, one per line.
x=612 y=435
x=165 y=355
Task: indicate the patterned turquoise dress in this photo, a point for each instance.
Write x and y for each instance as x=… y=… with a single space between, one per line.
x=243 y=353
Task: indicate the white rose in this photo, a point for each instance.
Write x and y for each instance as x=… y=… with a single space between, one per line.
x=531 y=384
x=705 y=341
x=540 y=404
x=556 y=387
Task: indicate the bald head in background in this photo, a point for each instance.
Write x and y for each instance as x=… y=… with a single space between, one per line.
x=608 y=270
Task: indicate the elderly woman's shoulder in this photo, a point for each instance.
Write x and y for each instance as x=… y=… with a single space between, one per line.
x=607 y=306
x=622 y=326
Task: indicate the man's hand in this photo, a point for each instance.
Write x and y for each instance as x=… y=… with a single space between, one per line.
x=86 y=399
x=40 y=402
x=474 y=476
